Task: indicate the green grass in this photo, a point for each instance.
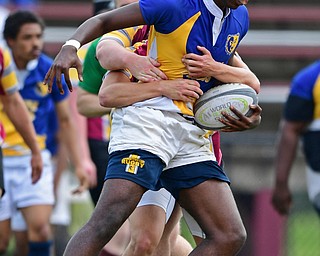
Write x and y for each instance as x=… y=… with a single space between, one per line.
x=185 y=232
x=80 y=214
x=303 y=231
x=303 y=234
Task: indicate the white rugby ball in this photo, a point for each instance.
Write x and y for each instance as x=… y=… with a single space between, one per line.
x=208 y=108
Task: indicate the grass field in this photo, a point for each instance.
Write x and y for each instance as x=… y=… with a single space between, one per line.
x=303 y=234
x=303 y=228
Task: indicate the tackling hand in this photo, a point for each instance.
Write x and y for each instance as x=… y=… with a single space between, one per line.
x=67 y=58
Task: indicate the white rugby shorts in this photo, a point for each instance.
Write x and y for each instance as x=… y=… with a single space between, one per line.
x=20 y=192
x=313 y=181
x=176 y=140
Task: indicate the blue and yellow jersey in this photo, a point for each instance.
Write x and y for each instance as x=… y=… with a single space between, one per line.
x=303 y=105
x=8 y=79
x=179 y=26
x=128 y=37
x=37 y=99
x=177 y=31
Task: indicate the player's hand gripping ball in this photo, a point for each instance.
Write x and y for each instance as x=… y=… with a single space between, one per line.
x=208 y=108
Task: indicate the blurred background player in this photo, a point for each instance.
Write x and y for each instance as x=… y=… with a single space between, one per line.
x=12 y=104
x=15 y=109
x=301 y=120
x=23 y=33
x=61 y=217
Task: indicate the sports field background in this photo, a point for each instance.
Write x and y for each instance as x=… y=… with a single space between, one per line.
x=275 y=50
x=301 y=235
x=301 y=232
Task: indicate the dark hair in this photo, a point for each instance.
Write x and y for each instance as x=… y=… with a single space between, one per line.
x=16 y=20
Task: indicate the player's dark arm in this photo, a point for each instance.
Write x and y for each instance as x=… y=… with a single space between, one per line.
x=290 y=133
x=92 y=28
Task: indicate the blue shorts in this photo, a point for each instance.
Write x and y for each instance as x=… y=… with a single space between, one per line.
x=188 y=176
x=146 y=169
x=139 y=166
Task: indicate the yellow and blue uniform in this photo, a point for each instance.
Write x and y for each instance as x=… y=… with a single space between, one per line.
x=303 y=105
x=151 y=136
x=37 y=99
x=175 y=33
x=8 y=85
x=129 y=37
x=8 y=80
x=17 y=156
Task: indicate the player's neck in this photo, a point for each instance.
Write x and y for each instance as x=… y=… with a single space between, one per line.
x=222 y=4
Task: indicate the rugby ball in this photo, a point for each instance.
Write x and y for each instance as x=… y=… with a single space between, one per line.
x=208 y=108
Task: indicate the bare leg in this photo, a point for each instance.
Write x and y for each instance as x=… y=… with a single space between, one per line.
x=212 y=205
x=119 y=241
x=37 y=218
x=181 y=247
x=22 y=245
x=118 y=199
x=5 y=231
x=146 y=226
x=171 y=235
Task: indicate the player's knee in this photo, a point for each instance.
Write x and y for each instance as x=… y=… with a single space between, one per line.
x=236 y=238
x=144 y=244
x=239 y=237
x=41 y=231
x=231 y=240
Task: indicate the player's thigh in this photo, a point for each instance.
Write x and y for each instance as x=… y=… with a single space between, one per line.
x=118 y=199
x=212 y=205
x=147 y=221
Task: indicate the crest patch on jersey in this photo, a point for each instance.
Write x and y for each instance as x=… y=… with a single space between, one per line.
x=232 y=42
x=133 y=162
